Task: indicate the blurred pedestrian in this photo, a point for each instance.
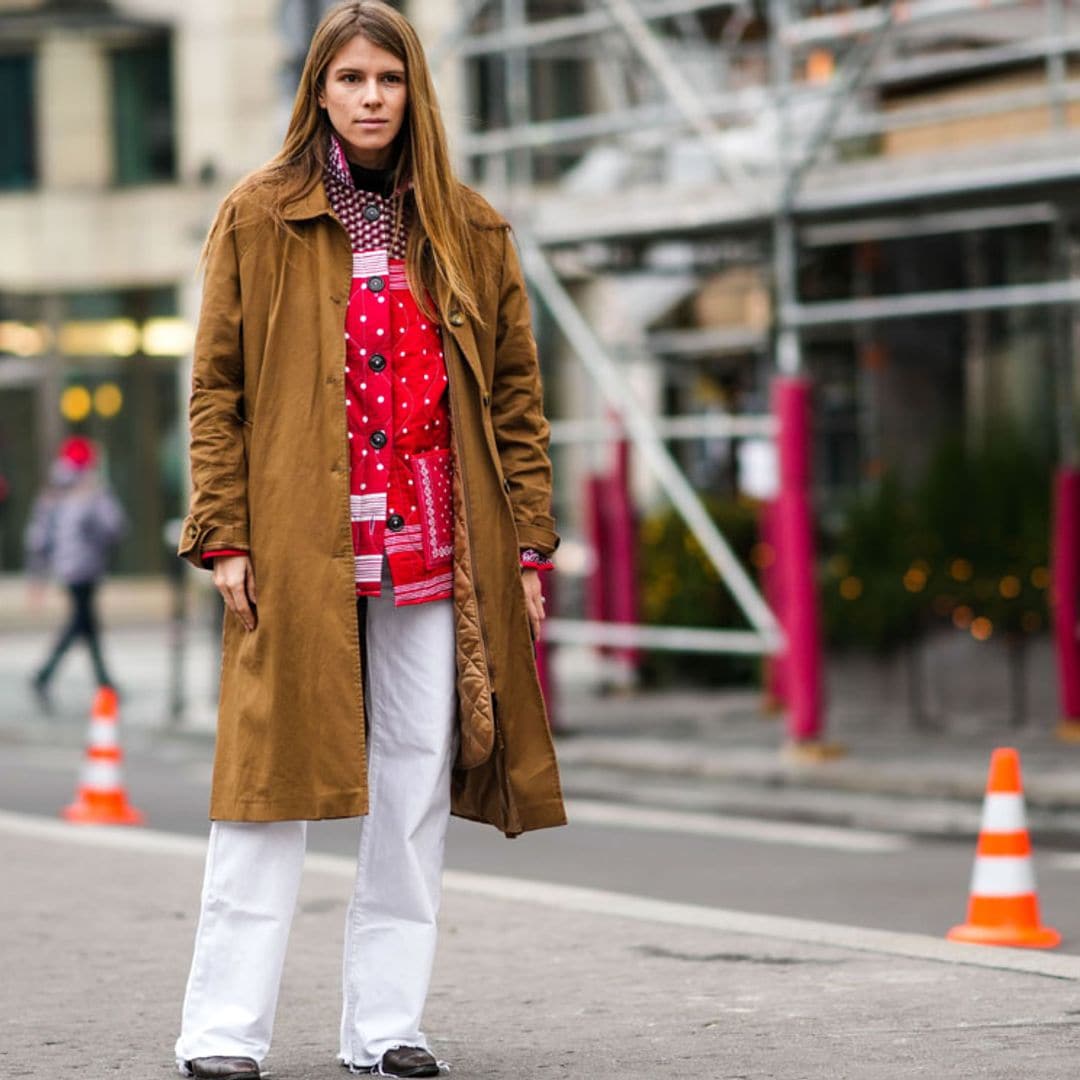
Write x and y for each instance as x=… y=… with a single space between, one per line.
x=74 y=524
x=368 y=444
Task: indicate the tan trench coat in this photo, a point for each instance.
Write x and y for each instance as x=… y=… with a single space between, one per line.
x=269 y=469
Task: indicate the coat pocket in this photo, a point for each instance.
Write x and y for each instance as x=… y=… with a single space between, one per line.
x=433 y=480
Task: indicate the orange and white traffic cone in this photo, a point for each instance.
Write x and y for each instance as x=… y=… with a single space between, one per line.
x=1004 y=905
x=101 y=798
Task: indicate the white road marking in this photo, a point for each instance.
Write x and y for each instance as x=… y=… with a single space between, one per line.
x=598 y=902
x=117 y=837
x=727 y=827
x=1065 y=861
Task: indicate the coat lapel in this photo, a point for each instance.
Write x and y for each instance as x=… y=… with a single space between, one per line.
x=460 y=328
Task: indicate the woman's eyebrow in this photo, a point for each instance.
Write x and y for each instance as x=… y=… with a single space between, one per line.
x=346 y=70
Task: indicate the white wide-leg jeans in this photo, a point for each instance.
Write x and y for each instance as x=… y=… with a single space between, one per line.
x=253 y=869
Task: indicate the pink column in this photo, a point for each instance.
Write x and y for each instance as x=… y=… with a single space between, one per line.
x=775 y=667
x=543 y=655
x=621 y=554
x=795 y=552
x=1065 y=595
x=611 y=592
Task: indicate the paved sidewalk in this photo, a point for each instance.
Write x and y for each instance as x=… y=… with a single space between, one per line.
x=529 y=982
x=689 y=749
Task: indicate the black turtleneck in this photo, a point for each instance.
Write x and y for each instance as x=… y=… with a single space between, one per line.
x=377 y=181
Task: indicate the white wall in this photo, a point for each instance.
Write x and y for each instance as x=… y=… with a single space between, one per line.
x=76 y=232
x=74 y=133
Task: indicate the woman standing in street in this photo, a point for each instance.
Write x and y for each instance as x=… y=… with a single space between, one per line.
x=371 y=486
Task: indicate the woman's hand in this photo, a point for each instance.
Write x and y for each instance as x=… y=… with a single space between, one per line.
x=534 y=600
x=234 y=578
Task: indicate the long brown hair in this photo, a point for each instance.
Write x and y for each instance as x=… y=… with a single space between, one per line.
x=438 y=245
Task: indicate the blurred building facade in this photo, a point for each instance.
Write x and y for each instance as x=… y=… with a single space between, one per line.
x=917 y=177
x=122 y=125
x=911 y=170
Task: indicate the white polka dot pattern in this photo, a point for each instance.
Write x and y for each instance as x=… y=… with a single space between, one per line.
x=396 y=407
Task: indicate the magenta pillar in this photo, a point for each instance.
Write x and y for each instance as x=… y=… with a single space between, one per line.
x=621 y=554
x=611 y=589
x=774 y=674
x=597 y=605
x=543 y=655
x=1065 y=586
x=796 y=562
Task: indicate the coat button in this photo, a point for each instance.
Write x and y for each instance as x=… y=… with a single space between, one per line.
x=376 y=362
x=377 y=439
x=395 y=523
x=372 y=212
x=376 y=284
x=456 y=318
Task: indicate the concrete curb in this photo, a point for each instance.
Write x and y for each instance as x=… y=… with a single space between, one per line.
x=909 y=778
x=570 y=898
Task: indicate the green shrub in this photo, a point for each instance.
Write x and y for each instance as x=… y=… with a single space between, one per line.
x=968 y=545
x=867 y=602
x=680 y=587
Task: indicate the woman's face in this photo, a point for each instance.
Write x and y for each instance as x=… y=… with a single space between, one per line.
x=365 y=95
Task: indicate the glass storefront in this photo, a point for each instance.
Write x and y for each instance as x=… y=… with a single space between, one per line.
x=103 y=365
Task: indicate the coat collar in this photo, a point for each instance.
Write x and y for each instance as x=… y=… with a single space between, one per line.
x=312 y=204
x=315 y=202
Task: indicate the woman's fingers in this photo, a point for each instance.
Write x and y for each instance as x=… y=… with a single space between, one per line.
x=242 y=607
x=534 y=600
x=235 y=580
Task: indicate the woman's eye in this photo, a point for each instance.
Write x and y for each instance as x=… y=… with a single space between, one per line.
x=393 y=79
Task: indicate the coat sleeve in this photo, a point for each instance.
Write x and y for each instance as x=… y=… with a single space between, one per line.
x=218 y=515
x=517 y=411
x=38 y=538
x=110 y=521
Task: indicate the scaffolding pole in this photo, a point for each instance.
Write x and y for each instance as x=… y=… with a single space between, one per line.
x=1056 y=74
x=743 y=105
x=453 y=40
x=788 y=346
x=847 y=24
x=685 y=98
x=928 y=224
x=667 y=428
x=548 y=31
x=926 y=304
x=667 y=638
x=641 y=428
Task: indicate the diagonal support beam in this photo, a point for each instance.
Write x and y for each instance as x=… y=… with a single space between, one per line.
x=684 y=96
x=854 y=67
x=641 y=429
x=451 y=40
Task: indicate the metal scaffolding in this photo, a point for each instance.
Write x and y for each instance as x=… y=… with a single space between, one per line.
x=793 y=117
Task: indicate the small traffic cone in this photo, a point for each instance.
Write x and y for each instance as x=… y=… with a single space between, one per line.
x=101 y=798
x=1004 y=905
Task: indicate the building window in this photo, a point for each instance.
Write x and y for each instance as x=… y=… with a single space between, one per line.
x=143 y=129
x=17 y=166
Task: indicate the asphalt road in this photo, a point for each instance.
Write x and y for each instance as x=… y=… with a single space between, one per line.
x=870 y=879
